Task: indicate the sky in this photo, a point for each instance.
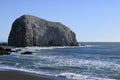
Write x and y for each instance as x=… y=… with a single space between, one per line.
x=91 y=20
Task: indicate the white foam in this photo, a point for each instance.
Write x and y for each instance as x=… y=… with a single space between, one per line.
x=53 y=47
x=39 y=48
x=72 y=62
x=2 y=67
x=80 y=76
x=86 y=46
x=32 y=49
x=35 y=48
x=65 y=75
x=90 y=64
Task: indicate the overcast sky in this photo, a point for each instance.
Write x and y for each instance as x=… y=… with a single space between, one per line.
x=91 y=20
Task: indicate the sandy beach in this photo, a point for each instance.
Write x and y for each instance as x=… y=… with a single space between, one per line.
x=19 y=75
x=5 y=75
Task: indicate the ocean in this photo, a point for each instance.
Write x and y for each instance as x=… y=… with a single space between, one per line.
x=94 y=61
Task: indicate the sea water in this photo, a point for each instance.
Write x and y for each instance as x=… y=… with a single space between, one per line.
x=94 y=61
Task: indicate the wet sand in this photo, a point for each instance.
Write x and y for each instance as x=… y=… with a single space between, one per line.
x=5 y=75
x=19 y=75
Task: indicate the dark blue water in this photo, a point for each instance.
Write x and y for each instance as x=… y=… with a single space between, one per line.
x=95 y=61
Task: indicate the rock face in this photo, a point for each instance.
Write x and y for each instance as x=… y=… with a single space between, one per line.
x=32 y=31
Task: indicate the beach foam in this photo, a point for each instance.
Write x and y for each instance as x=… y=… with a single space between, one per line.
x=80 y=77
x=63 y=75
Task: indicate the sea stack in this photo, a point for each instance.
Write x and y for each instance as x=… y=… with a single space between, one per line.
x=29 y=30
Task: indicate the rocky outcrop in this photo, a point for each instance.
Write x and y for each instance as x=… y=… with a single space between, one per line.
x=27 y=52
x=32 y=31
x=5 y=50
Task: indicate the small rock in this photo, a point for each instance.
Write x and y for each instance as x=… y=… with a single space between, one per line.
x=27 y=52
x=4 y=52
x=7 y=49
x=1 y=48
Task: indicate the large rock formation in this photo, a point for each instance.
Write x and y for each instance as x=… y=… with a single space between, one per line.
x=32 y=31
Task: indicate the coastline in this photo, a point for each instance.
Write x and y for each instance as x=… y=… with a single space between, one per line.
x=21 y=75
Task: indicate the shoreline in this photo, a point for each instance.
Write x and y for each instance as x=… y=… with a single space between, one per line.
x=21 y=75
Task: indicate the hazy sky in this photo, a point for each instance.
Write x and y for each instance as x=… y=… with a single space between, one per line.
x=91 y=20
